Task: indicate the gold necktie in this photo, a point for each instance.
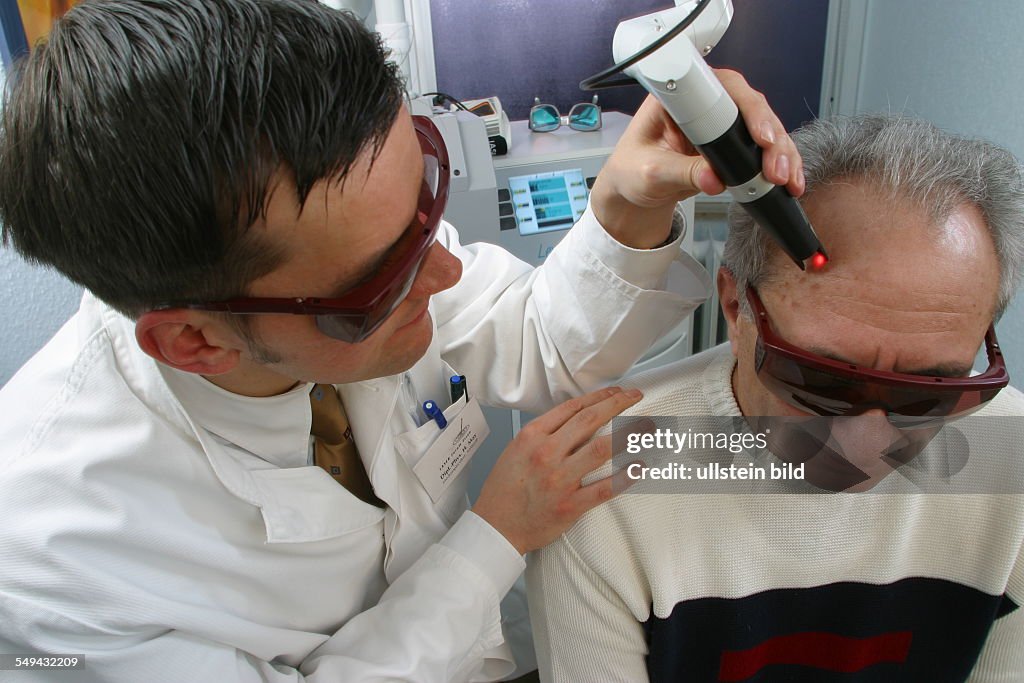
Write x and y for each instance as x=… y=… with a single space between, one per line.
x=333 y=446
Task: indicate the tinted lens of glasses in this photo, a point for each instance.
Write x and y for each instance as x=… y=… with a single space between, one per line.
x=585 y=117
x=356 y=328
x=823 y=393
x=353 y=328
x=349 y=328
x=544 y=118
x=431 y=179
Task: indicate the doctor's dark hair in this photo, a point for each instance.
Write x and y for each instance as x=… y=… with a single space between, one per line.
x=912 y=160
x=141 y=139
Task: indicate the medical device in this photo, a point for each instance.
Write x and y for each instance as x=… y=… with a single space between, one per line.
x=541 y=188
x=664 y=52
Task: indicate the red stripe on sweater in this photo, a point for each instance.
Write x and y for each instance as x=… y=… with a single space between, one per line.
x=819 y=650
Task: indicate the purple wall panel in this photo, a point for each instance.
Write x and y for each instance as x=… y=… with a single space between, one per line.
x=518 y=49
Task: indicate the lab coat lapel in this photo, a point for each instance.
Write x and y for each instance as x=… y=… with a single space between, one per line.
x=370 y=406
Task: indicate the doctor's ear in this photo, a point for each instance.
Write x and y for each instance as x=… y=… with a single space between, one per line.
x=187 y=341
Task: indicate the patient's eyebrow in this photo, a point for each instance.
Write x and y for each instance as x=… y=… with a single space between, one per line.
x=950 y=370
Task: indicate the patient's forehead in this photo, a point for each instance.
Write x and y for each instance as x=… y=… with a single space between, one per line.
x=890 y=256
x=899 y=292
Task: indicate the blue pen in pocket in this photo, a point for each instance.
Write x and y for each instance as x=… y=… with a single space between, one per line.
x=433 y=411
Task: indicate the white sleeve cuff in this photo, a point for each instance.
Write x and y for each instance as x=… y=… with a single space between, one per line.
x=643 y=268
x=484 y=546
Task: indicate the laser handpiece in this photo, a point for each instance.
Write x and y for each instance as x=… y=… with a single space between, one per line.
x=677 y=75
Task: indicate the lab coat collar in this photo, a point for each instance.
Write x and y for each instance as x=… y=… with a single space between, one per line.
x=274 y=428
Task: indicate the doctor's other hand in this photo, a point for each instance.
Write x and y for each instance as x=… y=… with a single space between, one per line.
x=654 y=166
x=534 y=493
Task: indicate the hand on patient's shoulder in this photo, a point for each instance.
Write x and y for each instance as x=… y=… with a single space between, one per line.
x=534 y=492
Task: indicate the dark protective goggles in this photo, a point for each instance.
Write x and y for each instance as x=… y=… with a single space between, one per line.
x=358 y=313
x=828 y=387
x=585 y=116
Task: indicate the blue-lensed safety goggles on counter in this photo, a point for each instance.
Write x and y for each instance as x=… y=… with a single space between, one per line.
x=585 y=116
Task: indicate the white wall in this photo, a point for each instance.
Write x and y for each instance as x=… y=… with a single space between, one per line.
x=33 y=305
x=956 y=64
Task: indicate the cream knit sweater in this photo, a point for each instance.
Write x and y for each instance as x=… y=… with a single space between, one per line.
x=782 y=587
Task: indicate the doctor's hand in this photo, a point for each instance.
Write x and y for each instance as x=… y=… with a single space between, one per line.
x=654 y=166
x=533 y=493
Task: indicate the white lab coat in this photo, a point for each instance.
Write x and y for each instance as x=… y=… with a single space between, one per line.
x=170 y=531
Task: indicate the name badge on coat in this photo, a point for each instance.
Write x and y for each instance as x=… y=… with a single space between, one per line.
x=453 y=448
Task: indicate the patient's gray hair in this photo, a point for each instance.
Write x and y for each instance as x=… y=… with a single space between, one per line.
x=911 y=159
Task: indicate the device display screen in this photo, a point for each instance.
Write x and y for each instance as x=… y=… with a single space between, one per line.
x=548 y=201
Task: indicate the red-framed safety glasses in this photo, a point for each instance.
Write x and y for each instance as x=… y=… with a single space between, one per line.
x=356 y=315
x=828 y=387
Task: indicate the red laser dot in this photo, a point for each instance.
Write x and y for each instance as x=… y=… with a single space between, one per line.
x=818 y=261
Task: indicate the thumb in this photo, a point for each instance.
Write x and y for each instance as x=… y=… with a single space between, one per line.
x=701 y=176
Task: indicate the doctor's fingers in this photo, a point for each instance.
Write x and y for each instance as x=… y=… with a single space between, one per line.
x=581 y=426
x=551 y=421
x=592 y=456
x=781 y=160
x=595 y=493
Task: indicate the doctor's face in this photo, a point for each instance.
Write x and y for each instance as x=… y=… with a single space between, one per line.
x=340 y=238
x=900 y=294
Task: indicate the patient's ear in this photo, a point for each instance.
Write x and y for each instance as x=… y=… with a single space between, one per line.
x=728 y=297
x=187 y=340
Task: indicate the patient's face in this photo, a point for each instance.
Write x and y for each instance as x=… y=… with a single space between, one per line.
x=899 y=294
